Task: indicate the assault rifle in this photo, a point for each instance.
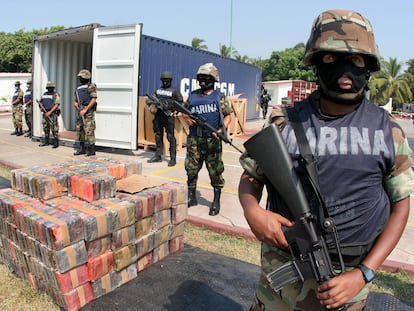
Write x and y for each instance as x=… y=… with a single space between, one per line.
x=307 y=246
x=199 y=120
x=43 y=110
x=161 y=104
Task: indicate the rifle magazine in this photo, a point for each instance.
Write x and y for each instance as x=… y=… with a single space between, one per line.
x=287 y=274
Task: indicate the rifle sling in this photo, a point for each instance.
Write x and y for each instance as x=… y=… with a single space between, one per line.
x=307 y=155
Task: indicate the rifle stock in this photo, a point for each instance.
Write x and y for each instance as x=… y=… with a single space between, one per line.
x=310 y=256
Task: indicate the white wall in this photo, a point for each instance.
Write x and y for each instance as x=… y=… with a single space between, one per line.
x=7 y=87
x=277 y=90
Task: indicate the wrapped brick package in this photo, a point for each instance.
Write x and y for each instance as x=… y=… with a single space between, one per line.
x=69 y=232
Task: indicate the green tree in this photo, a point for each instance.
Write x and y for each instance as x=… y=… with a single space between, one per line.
x=198 y=43
x=227 y=51
x=287 y=65
x=391 y=83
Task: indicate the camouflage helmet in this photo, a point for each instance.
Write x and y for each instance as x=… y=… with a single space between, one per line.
x=85 y=74
x=166 y=75
x=50 y=84
x=343 y=31
x=210 y=70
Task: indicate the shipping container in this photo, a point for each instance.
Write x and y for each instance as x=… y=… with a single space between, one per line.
x=125 y=65
x=286 y=92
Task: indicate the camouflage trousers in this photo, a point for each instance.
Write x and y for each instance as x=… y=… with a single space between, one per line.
x=204 y=150
x=297 y=296
x=28 y=116
x=50 y=124
x=85 y=128
x=17 y=116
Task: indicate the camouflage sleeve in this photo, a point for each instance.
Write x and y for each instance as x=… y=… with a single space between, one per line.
x=249 y=165
x=57 y=99
x=92 y=90
x=399 y=184
x=226 y=106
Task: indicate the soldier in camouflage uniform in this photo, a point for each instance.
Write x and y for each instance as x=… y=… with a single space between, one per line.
x=27 y=102
x=363 y=167
x=17 y=110
x=49 y=105
x=85 y=103
x=202 y=145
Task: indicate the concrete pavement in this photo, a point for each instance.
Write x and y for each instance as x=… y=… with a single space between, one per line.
x=16 y=152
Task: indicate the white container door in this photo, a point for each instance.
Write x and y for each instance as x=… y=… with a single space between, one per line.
x=115 y=70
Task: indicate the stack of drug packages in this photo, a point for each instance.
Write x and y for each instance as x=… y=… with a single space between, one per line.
x=68 y=230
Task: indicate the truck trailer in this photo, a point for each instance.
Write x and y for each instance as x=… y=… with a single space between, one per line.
x=125 y=65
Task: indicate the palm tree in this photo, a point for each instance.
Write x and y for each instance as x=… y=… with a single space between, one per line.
x=227 y=51
x=391 y=83
x=198 y=44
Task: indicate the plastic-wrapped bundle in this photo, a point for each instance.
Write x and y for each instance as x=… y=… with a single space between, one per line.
x=100 y=265
x=162 y=199
x=162 y=236
x=98 y=246
x=103 y=285
x=11 y=199
x=123 y=237
x=123 y=211
x=176 y=244
x=125 y=275
x=162 y=219
x=177 y=230
x=144 y=262
x=145 y=244
x=144 y=226
x=125 y=256
x=179 y=213
x=144 y=205
x=97 y=221
x=160 y=252
x=65 y=259
x=76 y=298
x=179 y=192
x=119 y=168
x=91 y=188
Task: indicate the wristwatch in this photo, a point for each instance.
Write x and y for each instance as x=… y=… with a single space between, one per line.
x=368 y=273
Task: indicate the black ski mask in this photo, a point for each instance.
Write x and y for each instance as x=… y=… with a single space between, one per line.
x=329 y=73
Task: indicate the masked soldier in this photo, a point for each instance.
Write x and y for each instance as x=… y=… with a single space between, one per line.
x=27 y=102
x=164 y=117
x=17 y=110
x=85 y=103
x=202 y=145
x=49 y=105
x=358 y=157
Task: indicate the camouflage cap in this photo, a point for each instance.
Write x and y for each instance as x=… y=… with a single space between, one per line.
x=17 y=83
x=50 y=84
x=343 y=31
x=210 y=70
x=85 y=74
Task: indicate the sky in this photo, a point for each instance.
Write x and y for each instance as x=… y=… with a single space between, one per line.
x=254 y=28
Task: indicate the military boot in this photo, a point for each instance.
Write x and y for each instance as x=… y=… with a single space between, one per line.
x=55 y=143
x=90 y=151
x=154 y=159
x=192 y=198
x=15 y=132
x=45 y=142
x=215 y=206
x=19 y=132
x=172 y=161
x=81 y=149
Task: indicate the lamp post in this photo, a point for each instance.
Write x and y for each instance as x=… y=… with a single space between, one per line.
x=231 y=28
